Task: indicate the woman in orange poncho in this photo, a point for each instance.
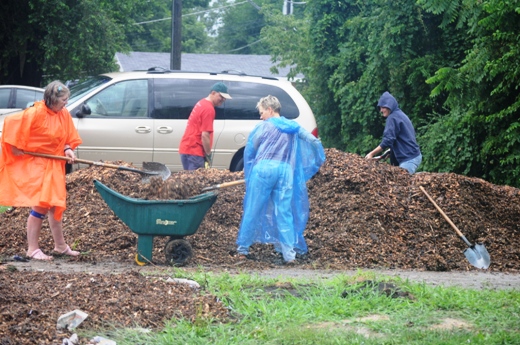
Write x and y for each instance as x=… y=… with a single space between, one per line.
x=36 y=182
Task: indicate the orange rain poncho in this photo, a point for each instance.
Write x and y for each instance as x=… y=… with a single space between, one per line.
x=27 y=180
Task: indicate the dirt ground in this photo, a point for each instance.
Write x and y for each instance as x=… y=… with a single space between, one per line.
x=475 y=279
x=363 y=215
x=34 y=294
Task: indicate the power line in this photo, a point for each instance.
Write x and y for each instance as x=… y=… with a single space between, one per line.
x=250 y=44
x=193 y=13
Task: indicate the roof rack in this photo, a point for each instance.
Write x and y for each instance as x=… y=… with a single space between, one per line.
x=162 y=70
x=233 y=71
x=158 y=69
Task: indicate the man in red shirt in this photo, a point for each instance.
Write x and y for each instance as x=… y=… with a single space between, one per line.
x=195 y=146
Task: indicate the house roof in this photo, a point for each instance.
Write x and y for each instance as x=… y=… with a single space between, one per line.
x=248 y=64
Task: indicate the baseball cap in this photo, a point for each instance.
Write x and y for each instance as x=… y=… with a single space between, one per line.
x=222 y=89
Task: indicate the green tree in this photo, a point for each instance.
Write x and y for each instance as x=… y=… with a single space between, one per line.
x=241 y=26
x=287 y=38
x=44 y=40
x=482 y=92
x=359 y=50
x=152 y=32
x=60 y=39
x=20 y=57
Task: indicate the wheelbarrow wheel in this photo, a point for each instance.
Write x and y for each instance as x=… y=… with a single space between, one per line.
x=177 y=252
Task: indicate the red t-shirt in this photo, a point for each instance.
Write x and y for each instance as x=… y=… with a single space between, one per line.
x=200 y=120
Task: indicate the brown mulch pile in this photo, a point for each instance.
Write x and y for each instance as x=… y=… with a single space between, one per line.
x=364 y=214
x=32 y=302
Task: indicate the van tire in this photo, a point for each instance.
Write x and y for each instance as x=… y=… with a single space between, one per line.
x=239 y=166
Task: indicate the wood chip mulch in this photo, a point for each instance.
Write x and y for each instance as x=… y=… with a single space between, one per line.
x=364 y=214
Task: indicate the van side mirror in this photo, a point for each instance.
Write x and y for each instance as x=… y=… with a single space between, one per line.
x=83 y=111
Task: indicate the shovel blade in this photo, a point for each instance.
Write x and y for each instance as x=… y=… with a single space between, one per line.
x=478 y=256
x=156 y=169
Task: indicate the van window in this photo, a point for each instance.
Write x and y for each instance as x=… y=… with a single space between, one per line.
x=125 y=99
x=90 y=84
x=175 y=98
x=245 y=97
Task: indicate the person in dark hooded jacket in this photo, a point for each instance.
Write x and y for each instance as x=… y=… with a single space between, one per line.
x=399 y=135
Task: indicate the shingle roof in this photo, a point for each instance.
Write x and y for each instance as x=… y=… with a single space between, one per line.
x=248 y=64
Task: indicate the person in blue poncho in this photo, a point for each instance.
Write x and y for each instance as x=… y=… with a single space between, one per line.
x=279 y=157
x=399 y=135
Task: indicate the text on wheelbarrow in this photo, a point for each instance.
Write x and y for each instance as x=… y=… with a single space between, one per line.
x=159 y=221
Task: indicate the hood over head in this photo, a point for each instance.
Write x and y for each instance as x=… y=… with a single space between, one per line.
x=388 y=101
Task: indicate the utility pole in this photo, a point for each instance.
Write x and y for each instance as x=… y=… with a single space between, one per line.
x=287 y=7
x=175 y=54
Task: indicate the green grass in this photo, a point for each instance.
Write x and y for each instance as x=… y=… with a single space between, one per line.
x=3 y=209
x=340 y=311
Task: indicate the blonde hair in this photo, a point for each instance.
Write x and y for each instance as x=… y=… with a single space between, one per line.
x=269 y=102
x=53 y=92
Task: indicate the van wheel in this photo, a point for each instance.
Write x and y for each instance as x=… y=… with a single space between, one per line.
x=239 y=166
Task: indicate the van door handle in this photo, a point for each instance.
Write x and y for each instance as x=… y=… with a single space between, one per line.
x=164 y=129
x=143 y=129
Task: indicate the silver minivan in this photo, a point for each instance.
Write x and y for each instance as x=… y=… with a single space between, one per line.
x=141 y=116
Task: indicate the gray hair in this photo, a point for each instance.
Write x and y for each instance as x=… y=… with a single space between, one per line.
x=53 y=92
x=269 y=102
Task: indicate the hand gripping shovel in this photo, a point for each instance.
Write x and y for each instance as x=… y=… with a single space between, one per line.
x=153 y=168
x=222 y=185
x=477 y=254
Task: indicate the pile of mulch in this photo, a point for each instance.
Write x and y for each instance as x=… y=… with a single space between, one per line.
x=32 y=302
x=364 y=214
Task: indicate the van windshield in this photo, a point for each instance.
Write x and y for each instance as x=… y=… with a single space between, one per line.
x=90 y=84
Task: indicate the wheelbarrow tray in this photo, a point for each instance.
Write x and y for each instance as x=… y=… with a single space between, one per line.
x=176 y=218
x=149 y=218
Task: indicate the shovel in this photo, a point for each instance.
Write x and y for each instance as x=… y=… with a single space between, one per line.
x=385 y=155
x=477 y=254
x=223 y=185
x=153 y=168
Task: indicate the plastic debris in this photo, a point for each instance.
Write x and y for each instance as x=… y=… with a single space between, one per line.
x=20 y=258
x=71 y=320
x=102 y=341
x=142 y=330
x=73 y=340
x=191 y=283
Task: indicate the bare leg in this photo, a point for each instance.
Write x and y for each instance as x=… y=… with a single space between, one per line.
x=57 y=234
x=34 y=228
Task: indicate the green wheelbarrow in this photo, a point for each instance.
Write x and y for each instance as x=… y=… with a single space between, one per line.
x=150 y=218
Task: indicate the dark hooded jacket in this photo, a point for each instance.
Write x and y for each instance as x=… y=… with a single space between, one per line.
x=399 y=134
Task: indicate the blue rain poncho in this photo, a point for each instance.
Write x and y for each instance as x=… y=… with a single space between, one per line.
x=279 y=158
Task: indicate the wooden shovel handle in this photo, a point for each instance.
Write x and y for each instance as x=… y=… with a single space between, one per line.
x=225 y=184
x=232 y=183
x=443 y=214
x=77 y=160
